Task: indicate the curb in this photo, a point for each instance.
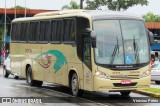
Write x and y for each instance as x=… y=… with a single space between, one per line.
x=155 y=95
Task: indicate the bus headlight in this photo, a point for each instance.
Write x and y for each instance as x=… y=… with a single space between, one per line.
x=145 y=74
x=102 y=74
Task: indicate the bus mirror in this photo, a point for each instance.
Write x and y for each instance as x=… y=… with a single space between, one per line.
x=93 y=39
x=92 y=36
x=151 y=37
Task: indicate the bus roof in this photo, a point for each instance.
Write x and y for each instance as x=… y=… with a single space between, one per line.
x=94 y=14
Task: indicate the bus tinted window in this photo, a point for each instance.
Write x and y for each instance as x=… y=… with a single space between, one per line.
x=56 y=30
x=24 y=29
x=27 y=31
x=18 y=28
x=69 y=30
x=13 y=33
x=16 y=31
x=72 y=31
x=44 y=30
x=34 y=31
x=48 y=30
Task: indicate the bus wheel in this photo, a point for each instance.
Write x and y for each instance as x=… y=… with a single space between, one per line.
x=16 y=77
x=38 y=83
x=5 y=73
x=75 y=86
x=30 y=81
x=125 y=93
x=157 y=82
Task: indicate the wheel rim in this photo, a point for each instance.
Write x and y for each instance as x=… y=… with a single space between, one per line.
x=4 y=71
x=74 y=85
x=29 y=77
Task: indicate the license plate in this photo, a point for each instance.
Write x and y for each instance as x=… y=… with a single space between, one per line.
x=126 y=82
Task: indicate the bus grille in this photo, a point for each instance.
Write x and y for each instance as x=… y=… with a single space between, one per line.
x=122 y=77
x=124 y=85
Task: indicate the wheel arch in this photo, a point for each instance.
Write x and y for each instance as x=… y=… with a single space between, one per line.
x=27 y=65
x=71 y=72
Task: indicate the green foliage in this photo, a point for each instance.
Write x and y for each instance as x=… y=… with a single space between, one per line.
x=1 y=33
x=150 y=17
x=19 y=7
x=116 y=5
x=157 y=18
x=153 y=90
x=73 y=5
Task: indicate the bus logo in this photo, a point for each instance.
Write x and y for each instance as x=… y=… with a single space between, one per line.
x=47 y=64
x=59 y=62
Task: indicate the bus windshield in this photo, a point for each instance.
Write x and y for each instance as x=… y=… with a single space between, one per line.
x=121 y=42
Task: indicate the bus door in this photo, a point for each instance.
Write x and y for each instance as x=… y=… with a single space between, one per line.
x=87 y=62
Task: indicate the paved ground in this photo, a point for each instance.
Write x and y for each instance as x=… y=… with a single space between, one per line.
x=1 y=70
x=154 y=85
x=10 y=87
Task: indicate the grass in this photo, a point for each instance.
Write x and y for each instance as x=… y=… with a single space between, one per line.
x=153 y=90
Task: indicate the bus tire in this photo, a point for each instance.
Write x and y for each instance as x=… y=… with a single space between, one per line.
x=157 y=82
x=125 y=93
x=16 y=77
x=5 y=73
x=29 y=78
x=38 y=83
x=74 y=84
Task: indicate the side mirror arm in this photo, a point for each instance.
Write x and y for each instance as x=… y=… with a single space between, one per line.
x=92 y=36
x=151 y=37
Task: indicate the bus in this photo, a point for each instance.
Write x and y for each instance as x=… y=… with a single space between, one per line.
x=85 y=50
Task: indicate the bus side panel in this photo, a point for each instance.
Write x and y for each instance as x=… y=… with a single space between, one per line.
x=15 y=59
x=23 y=67
x=72 y=63
x=32 y=50
x=49 y=75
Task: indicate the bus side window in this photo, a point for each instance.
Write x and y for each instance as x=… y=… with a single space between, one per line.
x=81 y=25
x=69 y=30
x=86 y=50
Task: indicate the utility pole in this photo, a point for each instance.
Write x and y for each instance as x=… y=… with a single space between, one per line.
x=25 y=9
x=15 y=9
x=4 y=26
x=81 y=4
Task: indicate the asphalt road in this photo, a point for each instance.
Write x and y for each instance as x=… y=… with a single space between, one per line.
x=154 y=85
x=9 y=87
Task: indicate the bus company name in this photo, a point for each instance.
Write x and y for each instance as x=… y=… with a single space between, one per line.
x=124 y=66
x=130 y=72
x=28 y=50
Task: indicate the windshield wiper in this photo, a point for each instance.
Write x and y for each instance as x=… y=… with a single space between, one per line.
x=136 y=50
x=116 y=48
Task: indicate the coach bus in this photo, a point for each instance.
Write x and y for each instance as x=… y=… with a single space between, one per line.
x=86 y=50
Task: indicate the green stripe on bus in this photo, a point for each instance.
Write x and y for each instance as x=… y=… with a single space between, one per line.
x=60 y=59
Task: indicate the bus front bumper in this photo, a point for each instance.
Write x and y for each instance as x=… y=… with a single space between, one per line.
x=101 y=84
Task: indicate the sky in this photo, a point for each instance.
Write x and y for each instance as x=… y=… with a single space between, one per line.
x=153 y=6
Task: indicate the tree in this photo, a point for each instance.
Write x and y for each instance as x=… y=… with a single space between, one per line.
x=1 y=33
x=116 y=5
x=19 y=7
x=73 y=5
x=150 y=17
